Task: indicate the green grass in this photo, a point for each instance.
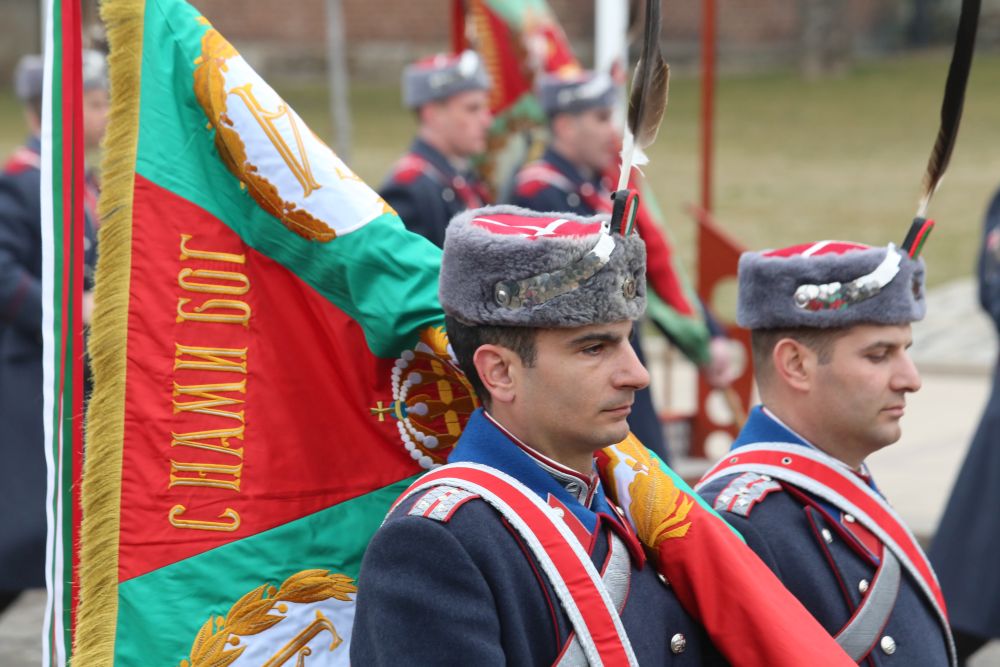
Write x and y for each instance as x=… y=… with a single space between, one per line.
x=13 y=129
x=795 y=160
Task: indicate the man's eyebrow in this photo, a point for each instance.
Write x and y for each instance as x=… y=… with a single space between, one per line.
x=595 y=337
x=887 y=344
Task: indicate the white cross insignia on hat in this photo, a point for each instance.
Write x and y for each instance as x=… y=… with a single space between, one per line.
x=514 y=225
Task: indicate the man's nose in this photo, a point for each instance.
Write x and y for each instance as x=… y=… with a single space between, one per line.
x=907 y=377
x=633 y=374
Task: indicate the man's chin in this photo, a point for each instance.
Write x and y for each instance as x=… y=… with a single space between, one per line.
x=888 y=435
x=616 y=435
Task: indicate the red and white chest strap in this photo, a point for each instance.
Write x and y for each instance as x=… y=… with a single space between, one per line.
x=569 y=569
x=824 y=477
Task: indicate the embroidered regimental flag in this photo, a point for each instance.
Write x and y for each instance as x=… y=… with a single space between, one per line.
x=517 y=40
x=62 y=239
x=269 y=361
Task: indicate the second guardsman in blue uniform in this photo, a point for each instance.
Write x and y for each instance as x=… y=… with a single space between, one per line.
x=434 y=182
x=830 y=325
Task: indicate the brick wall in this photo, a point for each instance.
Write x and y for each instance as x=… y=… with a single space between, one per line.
x=21 y=33
x=282 y=37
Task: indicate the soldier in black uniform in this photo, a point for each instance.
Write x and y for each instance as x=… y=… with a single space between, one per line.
x=968 y=536
x=572 y=175
x=830 y=326
x=22 y=455
x=433 y=182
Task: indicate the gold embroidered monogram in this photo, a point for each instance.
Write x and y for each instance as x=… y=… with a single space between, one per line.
x=279 y=161
x=222 y=640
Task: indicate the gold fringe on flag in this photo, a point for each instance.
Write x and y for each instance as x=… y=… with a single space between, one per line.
x=95 y=631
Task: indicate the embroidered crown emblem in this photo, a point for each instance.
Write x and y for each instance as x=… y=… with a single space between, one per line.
x=432 y=399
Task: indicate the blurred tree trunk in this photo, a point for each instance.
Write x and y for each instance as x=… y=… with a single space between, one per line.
x=336 y=67
x=825 y=37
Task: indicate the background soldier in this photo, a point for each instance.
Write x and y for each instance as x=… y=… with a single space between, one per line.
x=968 y=537
x=22 y=457
x=434 y=182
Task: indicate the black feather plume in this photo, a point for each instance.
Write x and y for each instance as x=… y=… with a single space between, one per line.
x=648 y=97
x=954 y=99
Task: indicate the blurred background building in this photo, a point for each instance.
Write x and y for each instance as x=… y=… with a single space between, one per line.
x=283 y=38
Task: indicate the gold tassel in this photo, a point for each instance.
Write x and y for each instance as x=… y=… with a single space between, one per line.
x=97 y=615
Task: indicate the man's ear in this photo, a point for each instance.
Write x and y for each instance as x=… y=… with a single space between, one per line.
x=794 y=364
x=494 y=364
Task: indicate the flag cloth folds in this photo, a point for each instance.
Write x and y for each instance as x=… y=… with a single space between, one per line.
x=270 y=366
x=751 y=618
x=517 y=39
x=62 y=239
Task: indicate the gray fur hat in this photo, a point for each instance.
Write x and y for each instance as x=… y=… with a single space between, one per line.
x=29 y=78
x=29 y=75
x=830 y=284
x=586 y=90
x=441 y=76
x=508 y=266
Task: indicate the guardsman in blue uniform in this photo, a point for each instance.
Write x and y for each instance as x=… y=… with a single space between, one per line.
x=968 y=536
x=830 y=326
x=572 y=176
x=434 y=182
x=530 y=564
x=22 y=455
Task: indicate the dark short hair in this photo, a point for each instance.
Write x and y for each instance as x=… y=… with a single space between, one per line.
x=465 y=339
x=763 y=342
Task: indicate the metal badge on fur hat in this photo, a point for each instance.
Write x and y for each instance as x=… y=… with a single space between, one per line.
x=441 y=76
x=508 y=266
x=829 y=284
x=586 y=90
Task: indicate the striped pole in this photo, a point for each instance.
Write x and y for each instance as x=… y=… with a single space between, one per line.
x=62 y=228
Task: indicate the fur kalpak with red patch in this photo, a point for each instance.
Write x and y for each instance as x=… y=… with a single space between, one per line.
x=508 y=266
x=829 y=284
x=573 y=94
x=440 y=76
